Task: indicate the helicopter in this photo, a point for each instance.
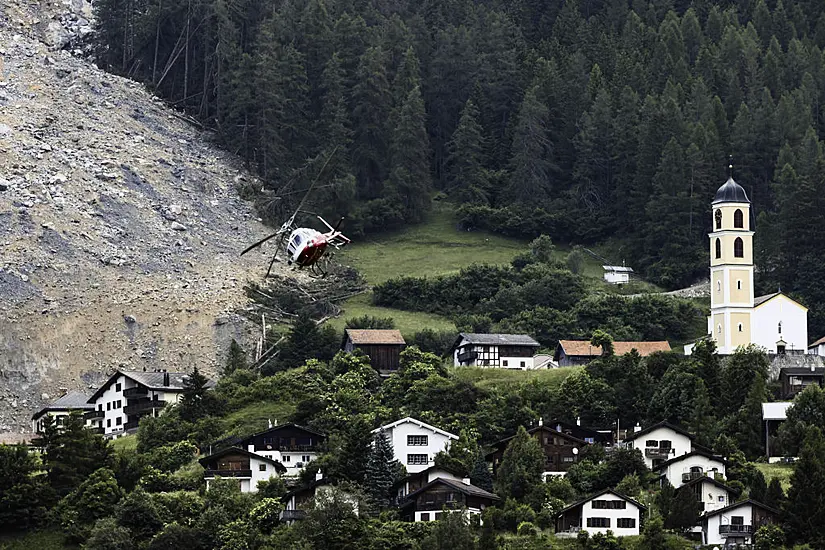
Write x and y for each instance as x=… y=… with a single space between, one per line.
x=305 y=247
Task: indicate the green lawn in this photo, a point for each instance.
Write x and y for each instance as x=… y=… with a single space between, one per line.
x=255 y=417
x=125 y=443
x=408 y=322
x=489 y=378
x=782 y=471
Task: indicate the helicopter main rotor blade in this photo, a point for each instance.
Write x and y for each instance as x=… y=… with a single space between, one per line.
x=262 y=241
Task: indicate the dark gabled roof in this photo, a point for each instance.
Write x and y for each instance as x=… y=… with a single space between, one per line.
x=152 y=380
x=802 y=371
x=280 y=427
x=693 y=452
x=664 y=424
x=731 y=192
x=597 y=495
x=741 y=503
x=574 y=426
x=762 y=299
x=710 y=480
x=469 y=490
x=237 y=450
x=531 y=431
x=497 y=339
x=424 y=473
x=69 y=402
x=304 y=488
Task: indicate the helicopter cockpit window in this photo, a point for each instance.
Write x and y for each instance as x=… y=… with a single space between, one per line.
x=296 y=241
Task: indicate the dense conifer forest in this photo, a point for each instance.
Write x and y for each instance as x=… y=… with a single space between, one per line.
x=588 y=120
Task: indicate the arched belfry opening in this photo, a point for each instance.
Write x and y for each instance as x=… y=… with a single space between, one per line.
x=738 y=219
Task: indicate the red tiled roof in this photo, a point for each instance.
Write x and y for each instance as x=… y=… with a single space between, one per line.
x=586 y=349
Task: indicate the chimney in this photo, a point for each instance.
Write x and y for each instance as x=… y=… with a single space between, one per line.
x=466 y=481
x=637 y=428
x=319 y=475
x=165 y=378
x=541 y=421
x=270 y=423
x=578 y=421
x=251 y=447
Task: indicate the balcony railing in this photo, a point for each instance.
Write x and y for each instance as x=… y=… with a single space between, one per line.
x=291 y=448
x=97 y=430
x=659 y=453
x=93 y=415
x=292 y=515
x=143 y=406
x=735 y=529
x=690 y=476
x=133 y=425
x=227 y=473
x=139 y=391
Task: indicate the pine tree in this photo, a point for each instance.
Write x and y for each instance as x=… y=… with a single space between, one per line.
x=531 y=166
x=381 y=470
x=805 y=512
x=409 y=180
x=468 y=181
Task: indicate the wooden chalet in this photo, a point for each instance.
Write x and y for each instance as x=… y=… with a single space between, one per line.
x=382 y=346
x=429 y=502
x=795 y=379
x=560 y=449
x=285 y=438
x=580 y=352
x=602 y=437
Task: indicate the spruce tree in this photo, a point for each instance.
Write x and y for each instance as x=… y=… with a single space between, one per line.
x=236 y=359
x=805 y=512
x=381 y=470
x=521 y=467
x=193 y=403
x=480 y=476
x=468 y=181
x=684 y=511
x=758 y=489
x=74 y=453
x=775 y=495
x=531 y=165
x=409 y=180
x=372 y=102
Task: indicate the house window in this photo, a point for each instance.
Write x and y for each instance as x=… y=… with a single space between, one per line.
x=718 y=219
x=567 y=459
x=626 y=523
x=504 y=363
x=416 y=440
x=261 y=467
x=718 y=286
x=118 y=421
x=100 y=407
x=718 y=249
x=739 y=285
x=287 y=458
x=665 y=444
x=651 y=443
x=109 y=423
x=590 y=439
x=609 y=505
x=523 y=364
x=738 y=219
x=108 y=406
x=737 y=520
x=738 y=248
x=417 y=459
x=118 y=387
x=425 y=516
x=740 y=327
x=119 y=405
x=598 y=522
x=305 y=458
x=721 y=498
x=437 y=516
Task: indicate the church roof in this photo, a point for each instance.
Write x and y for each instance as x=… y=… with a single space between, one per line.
x=731 y=192
x=759 y=300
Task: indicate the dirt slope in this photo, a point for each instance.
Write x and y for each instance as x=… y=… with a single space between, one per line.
x=120 y=228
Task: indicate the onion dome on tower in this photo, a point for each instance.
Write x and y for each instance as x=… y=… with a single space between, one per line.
x=731 y=192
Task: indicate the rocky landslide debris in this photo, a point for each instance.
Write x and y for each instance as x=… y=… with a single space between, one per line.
x=120 y=225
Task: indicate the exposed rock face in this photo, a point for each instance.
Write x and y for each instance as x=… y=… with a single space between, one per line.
x=120 y=227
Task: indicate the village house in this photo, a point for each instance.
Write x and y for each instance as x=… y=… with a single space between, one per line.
x=817 y=348
x=710 y=494
x=571 y=353
x=736 y=523
x=415 y=481
x=292 y=445
x=382 y=346
x=773 y=415
x=506 y=351
x=560 y=449
x=691 y=466
x=61 y=408
x=429 y=502
x=660 y=443
x=297 y=501
x=242 y=466
x=601 y=437
x=600 y=513
x=795 y=379
x=416 y=443
x=617 y=274
x=127 y=396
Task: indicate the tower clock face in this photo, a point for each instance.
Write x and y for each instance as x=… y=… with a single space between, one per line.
x=718 y=219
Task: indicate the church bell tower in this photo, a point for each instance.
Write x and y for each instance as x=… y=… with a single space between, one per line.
x=731 y=269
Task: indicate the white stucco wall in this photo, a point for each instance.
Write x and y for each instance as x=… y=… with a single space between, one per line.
x=766 y=319
x=712 y=531
x=714 y=497
x=817 y=350
x=250 y=484
x=512 y=362
x=109 y=398
x=679 y=443
x=435 y=442
x=293 y=461
x=616 y=278
x=630 y=511
x=468 y=512
x=674 y=471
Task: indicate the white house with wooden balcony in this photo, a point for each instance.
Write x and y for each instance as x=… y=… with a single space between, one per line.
x=736 y=524
x=505 y=351
x=691 y=466
x=244 y=468
x=127 y=396
x=660 y=443
x=711 y=494
x=600 y=513
x=416 y=443
x=292 y=445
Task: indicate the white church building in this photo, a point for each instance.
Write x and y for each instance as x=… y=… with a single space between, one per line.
x=774 y=322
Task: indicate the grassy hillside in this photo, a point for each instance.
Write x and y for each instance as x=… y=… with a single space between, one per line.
x=781 y=471
x=41 y=540
x=488 y=378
